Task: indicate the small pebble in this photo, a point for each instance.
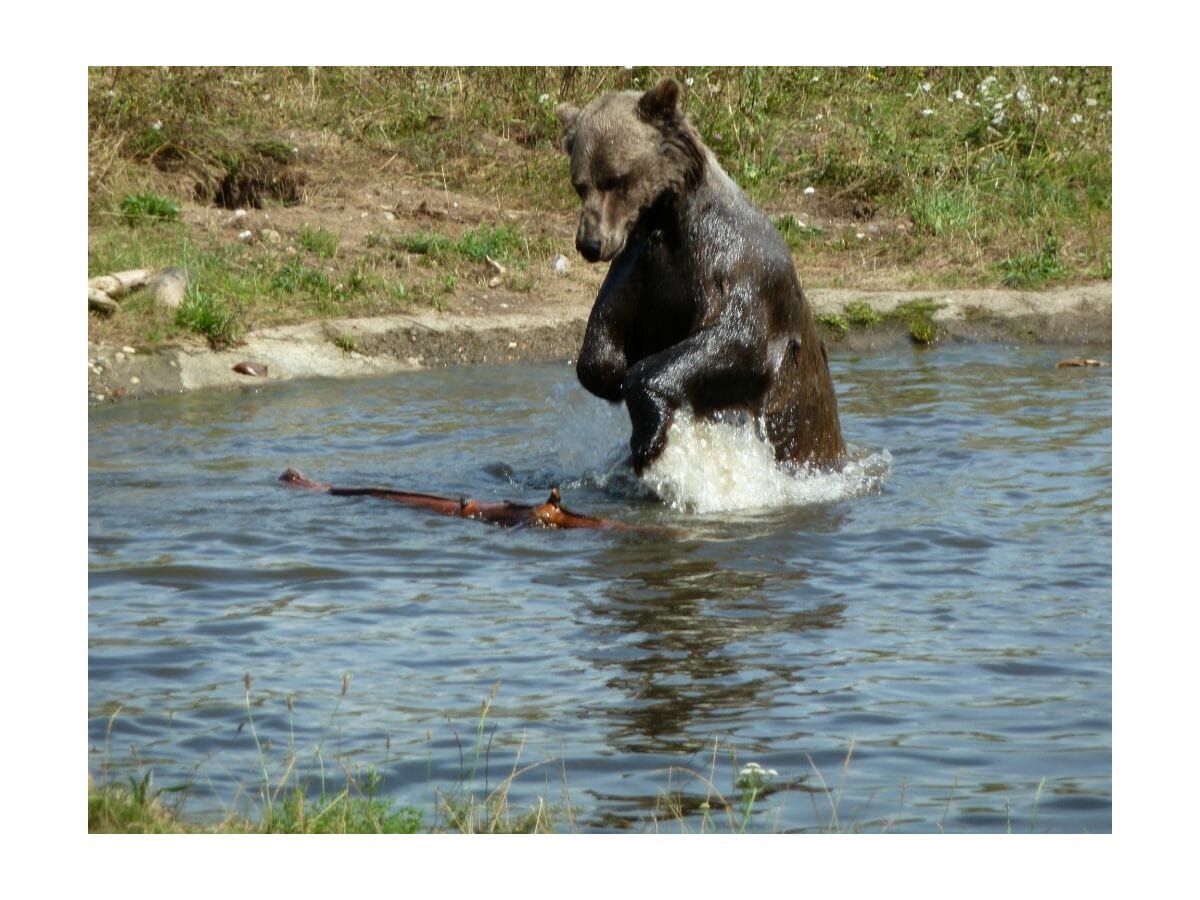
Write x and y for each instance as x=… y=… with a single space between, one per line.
x=128 y=350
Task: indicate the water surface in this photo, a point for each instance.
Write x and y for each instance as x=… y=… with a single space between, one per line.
x=942 y=621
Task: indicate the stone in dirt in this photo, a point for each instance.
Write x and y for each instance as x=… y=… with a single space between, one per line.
x=168 y=286
x=251 y=368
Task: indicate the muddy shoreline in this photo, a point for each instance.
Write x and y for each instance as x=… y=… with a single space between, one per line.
x=1074 y=317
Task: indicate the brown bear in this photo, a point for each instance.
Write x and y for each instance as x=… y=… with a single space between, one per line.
x=701 y=304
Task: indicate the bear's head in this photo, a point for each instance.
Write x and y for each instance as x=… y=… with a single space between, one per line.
x=627 y=150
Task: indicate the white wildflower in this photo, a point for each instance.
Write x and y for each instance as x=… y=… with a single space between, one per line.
x=1043 y=108
x=998 y=118
x=542 y=98
x=1054 y=79
x=925 y=113
x=156 y=125
x=818 y=117
x=1023 y=94
x=689 y=81
x=815 y=79
x=810 y=190
x=755 y=776
x=986 y=84
x=1090 y=101
x=926 y=86
x=956 y=95
x=860 y=235
x=1076 y=119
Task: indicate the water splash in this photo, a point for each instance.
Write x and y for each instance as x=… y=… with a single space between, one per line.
x=707 y=466
x=710 y=467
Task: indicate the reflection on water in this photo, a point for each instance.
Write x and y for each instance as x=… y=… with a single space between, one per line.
x=949 y=626
x=670 y=627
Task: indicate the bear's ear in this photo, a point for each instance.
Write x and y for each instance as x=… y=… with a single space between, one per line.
x=567 y=114
x=660 y=104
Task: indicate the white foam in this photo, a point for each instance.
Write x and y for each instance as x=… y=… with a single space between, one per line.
x=710 y=467
x=706 y=467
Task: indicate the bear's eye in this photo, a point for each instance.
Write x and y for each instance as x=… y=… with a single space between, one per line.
x=580 y=189
x=611 y=183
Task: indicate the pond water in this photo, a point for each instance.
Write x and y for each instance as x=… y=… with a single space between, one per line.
x=921 y=644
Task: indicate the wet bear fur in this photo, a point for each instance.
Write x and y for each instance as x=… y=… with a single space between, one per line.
x=701 y=305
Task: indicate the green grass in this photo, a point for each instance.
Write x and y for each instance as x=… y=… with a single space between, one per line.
x=344 y=342
x=964 y=172
x=319 y=241
x=794 y=232
x=834 y=321
x=137 y=209
x=1038 y=267
x=139 y=809
x=208 y=315
x=501 y=243
x=862 y=314
x=917 y=316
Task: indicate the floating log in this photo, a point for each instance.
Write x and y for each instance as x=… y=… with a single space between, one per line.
x=551 y=514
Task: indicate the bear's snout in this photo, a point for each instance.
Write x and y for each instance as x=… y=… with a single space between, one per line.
x=588 y=248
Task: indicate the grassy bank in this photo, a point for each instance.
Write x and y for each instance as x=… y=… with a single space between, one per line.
x=900 y=178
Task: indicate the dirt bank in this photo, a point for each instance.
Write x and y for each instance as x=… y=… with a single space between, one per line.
x=499 y=328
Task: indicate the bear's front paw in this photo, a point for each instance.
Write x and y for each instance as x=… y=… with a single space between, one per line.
x=642 y=453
